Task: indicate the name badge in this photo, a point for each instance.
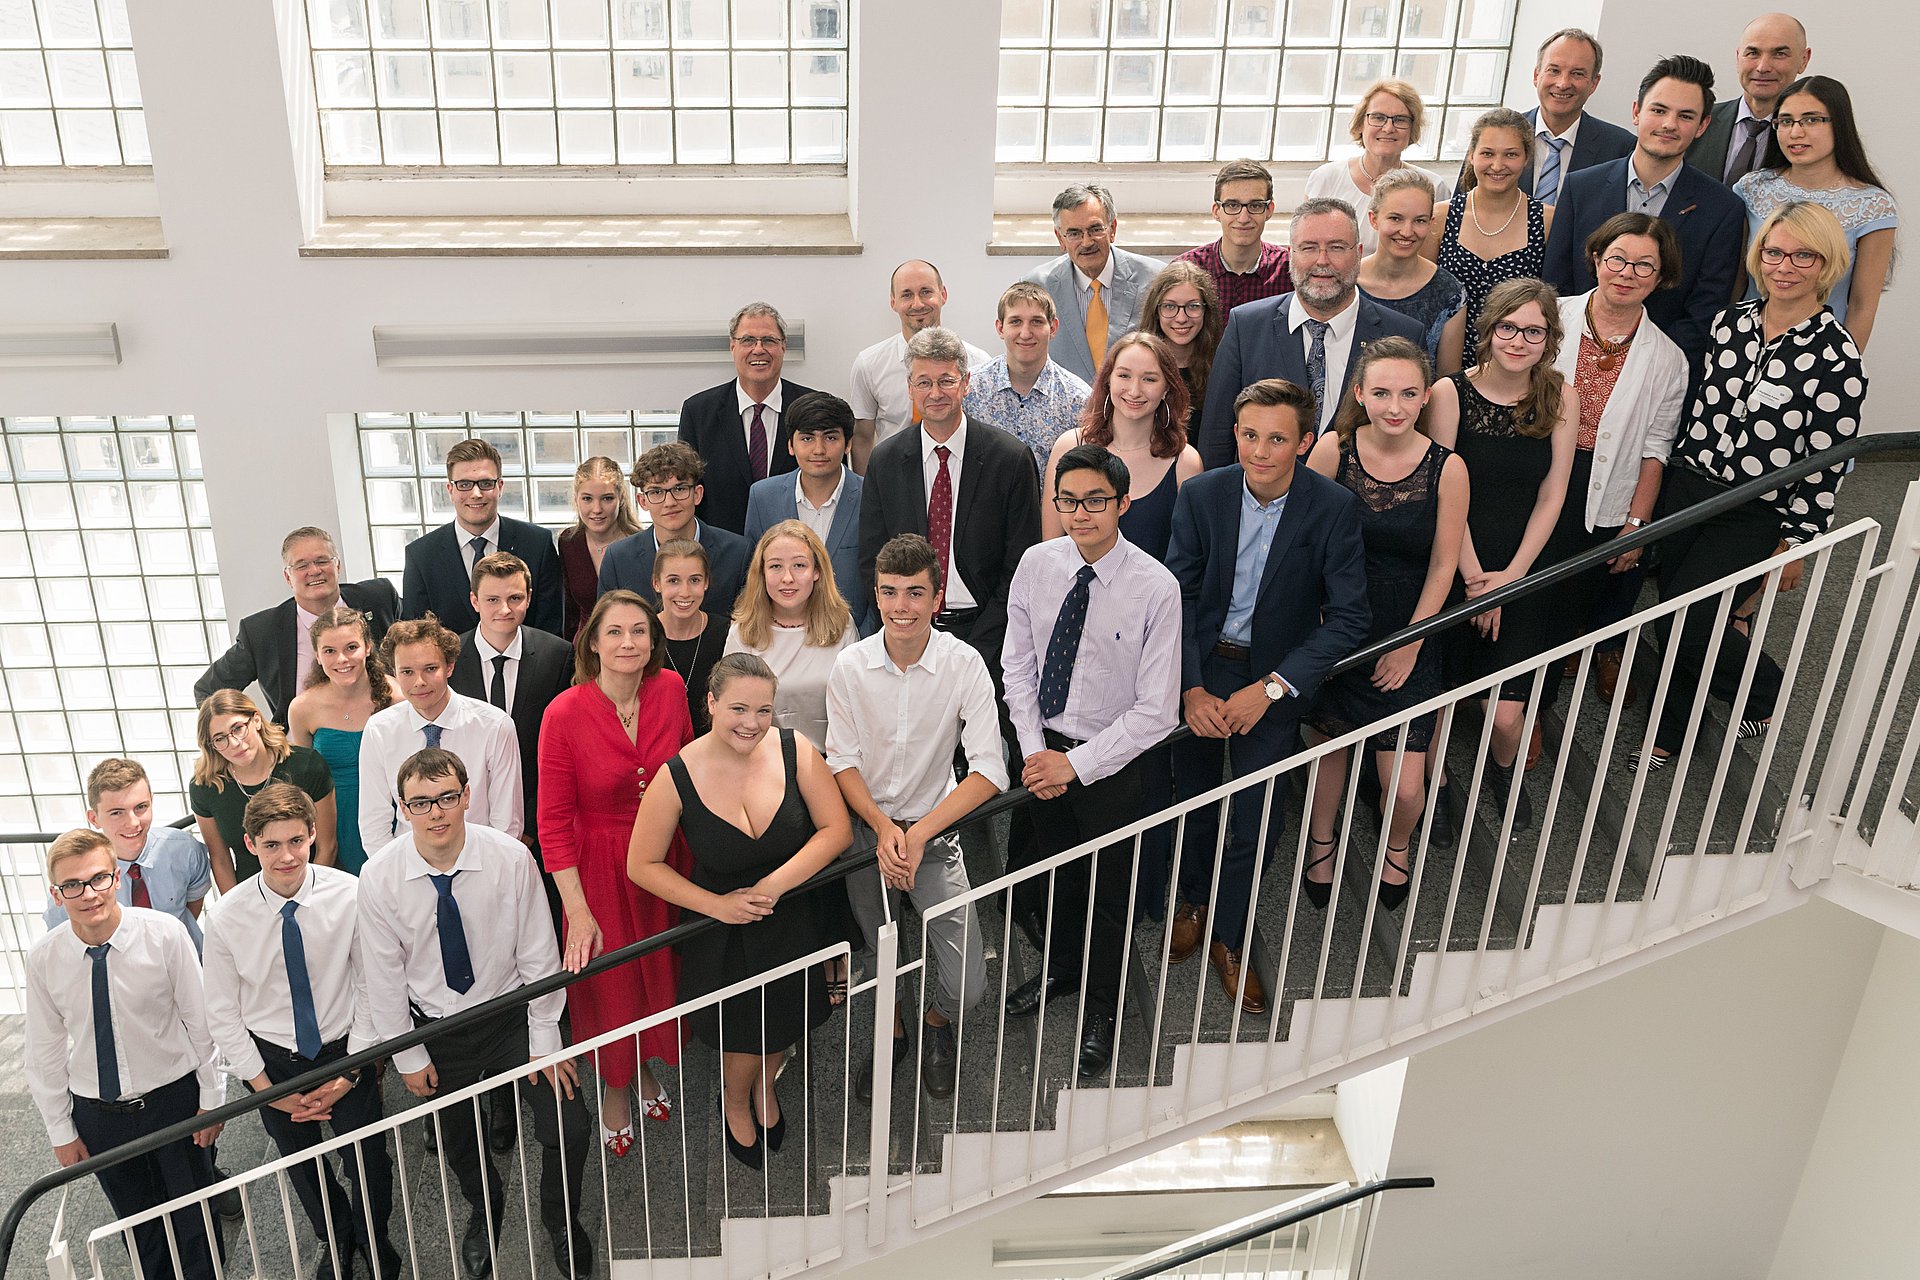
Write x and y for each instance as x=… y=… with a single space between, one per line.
x=1770 y=394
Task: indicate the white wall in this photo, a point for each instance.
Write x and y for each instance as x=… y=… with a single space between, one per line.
x=1365 y=1111
x=1654 y=1126
x=1853 y=1215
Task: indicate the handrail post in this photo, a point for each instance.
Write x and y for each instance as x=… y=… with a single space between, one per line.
x=886 y=957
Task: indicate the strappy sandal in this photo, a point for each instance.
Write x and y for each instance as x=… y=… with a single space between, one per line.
x=1318 y=893
x=1390 y=896
x=836 y=982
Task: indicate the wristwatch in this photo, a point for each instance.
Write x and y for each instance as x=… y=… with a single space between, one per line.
x=1635 y=522
x=1275 y=689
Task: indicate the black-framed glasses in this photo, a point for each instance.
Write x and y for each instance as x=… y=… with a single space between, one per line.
x=1620 y=266
x=657 y=492
x=1773 y=256
x=1196 y=309
x=1507 y=331
x=420 y=806
x=468 y=486
x=1381 y=120
x=1233 y=208
x=99 y=883
x=1095 y=503
x=753 y=341
x=1809 y=121
x=233 y=733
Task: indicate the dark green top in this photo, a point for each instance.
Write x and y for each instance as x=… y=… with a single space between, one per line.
x=303 y=767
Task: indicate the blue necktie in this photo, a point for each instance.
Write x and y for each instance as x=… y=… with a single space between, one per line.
x=433 y=732
x=1056 y=678
x=306 y=1023
x=1317 y=365
x=454 y=959
x=1548 y=185
x=106 y=1060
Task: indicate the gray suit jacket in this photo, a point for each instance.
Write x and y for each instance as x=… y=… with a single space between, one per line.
x=771 y=500
x=1132 y=273
x=1709 y=150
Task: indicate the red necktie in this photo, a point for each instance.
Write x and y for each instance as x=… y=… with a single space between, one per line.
x=141 y=898
x=940 y=513
x=757 y=445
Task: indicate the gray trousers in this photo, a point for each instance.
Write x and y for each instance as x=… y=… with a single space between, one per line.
x=952 y=938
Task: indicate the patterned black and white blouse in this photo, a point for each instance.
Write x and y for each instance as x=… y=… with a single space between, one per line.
x=1764 y=405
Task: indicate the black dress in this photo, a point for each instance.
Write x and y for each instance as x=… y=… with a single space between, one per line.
x=692 y=660
x=1398 y=521
x=726 y=858
x=1507 y=469
x=1148 y=519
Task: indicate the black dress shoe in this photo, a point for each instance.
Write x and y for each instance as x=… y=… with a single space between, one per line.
x=863 y=1078
x=386 y=1262
x=1096 y=1043
x=1029 y=925
x=1034 y=992
x=576 y=1261
x=1499 y=784
x=774 y=1134
x=476 y=1254
x=503 y=1121
x=939 y=1057
x=227 y=1203
x=323 y=1263
x=1447 y=817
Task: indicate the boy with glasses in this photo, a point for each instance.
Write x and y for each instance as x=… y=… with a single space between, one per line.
x=668 y=479
x=439 y=573
x=1243 y=265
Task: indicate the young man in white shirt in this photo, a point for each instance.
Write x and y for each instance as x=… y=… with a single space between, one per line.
x=421 y=654
x=284 y=985
x=163 y=868
x=118 y=1048
x=452 y=915
x=898 y=704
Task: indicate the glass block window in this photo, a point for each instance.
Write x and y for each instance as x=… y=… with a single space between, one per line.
x=403 y=462
x=1140 y=81
x=110 y=607
x=68 y=92
x=580 y=82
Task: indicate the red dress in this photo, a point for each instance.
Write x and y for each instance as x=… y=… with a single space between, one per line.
x=591 y=777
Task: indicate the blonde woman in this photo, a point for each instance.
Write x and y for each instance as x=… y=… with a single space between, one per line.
x=240 y=752
x=1388 y=119
x=347 y=683
x=604 y=514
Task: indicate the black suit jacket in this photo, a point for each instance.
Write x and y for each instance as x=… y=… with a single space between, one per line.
x=996 y=517
x=1710 y=221
x=437 y=580
x=710 y=422
x=1709 y=151
x=546 y=671
x=1312 y=607
x=266 y=646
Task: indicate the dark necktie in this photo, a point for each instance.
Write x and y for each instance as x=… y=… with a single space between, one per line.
x=940 y=513
x=757 y=444
x=306 y=1023
x=497 y=687
x=454 y=958
x=433 y=732
x=1548 y=185
x=479 y=546
x=141 y=898
x=1747 y=156
x=1317 y=363
x=1056 y=678
x=106 y=1061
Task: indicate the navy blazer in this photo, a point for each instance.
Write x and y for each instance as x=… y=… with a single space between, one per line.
x=1257 y=345
x=710 y=422
x=1597 y=142
x=266 y=646
x=1312 y=608
x=771 y=500
x=628 y=564
x=437 y=580
x=1710 y=221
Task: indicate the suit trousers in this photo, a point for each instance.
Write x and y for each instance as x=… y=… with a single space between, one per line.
x=135 y=1185
x=357 y=1108
x=487 y=1048
x=1197 y=765
x=953 y=944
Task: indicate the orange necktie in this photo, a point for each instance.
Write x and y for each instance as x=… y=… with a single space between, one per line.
x=1097 y=326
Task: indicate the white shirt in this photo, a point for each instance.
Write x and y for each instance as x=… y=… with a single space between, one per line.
x=487 y=653
x=820 y=518
x=1542 y=150
x=1125 y=694
x=479 y=733
x=877 y=385
x=303 y=643
x=899 y=728
x=246 y=970
x=958 y=597
x=769 y=418
x=1339 y=344
x=503 y=912
x=159 y=1018
x=492 y=535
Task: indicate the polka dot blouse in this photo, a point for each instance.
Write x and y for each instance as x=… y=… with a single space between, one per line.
x=1764 y=405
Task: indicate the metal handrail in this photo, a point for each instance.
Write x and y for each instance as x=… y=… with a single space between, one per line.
x=1006 y=801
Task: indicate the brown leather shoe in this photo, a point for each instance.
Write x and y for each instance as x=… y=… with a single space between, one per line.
x=1536 y=745
x=1189 y=926
x=1606 y=665
x=1227 y=963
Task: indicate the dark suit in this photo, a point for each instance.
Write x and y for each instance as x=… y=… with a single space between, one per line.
x=1709 y=151
x=1710 y=221
x=266 y=646
x=437 y=579
x=710 y=422
x=628 y=564
x=1257 y=344
x=1597 y=142
x=1310 y=612
x=771 y=500
x=996 y=517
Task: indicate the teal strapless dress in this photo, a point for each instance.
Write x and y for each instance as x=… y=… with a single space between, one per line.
x=341 y=750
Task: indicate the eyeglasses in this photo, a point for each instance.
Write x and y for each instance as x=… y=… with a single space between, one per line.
x=1074 y=235
x=1620 y=266
x=420 y=806
x=468 y=486
x=1773 y=256
x=1097 y=503
x=1380 y=120
x=98 y=883
x=318 y=562
x=233 y=733
x=1784 y=123
x=754 y=343
x=1507 y=330
x=946 y=382
x=1233 y=208
x=1195 y=308
x=657 y=493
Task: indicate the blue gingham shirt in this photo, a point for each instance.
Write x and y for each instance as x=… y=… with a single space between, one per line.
x=1038 y=418
x=175 y=868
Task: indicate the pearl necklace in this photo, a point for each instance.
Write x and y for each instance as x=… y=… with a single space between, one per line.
x=1473 y=211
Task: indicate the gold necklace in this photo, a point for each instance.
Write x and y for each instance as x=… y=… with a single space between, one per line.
x=1611 y=353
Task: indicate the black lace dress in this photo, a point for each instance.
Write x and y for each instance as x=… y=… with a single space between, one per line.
x=1398 y=521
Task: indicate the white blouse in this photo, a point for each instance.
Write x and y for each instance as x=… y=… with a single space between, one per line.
x=1642 y=413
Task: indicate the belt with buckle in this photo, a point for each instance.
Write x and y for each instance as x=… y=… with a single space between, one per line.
x=1228 y=649
x=1057 y=741
x=125 y=1106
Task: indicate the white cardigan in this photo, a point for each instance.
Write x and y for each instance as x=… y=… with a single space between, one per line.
x=1641 y=416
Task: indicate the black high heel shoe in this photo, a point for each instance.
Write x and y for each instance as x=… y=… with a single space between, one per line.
x=775 y=1134
x=1317 y=893
x=750 y=1155
x=1391 y=896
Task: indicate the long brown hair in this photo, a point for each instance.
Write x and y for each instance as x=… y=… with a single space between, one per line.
x=1207 y=341
x=379 y=679
x=1498 y=118
x=1537 y=412
x=1352 y=414
x=210 y=770
x=1169 y=421
x=828 y=616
